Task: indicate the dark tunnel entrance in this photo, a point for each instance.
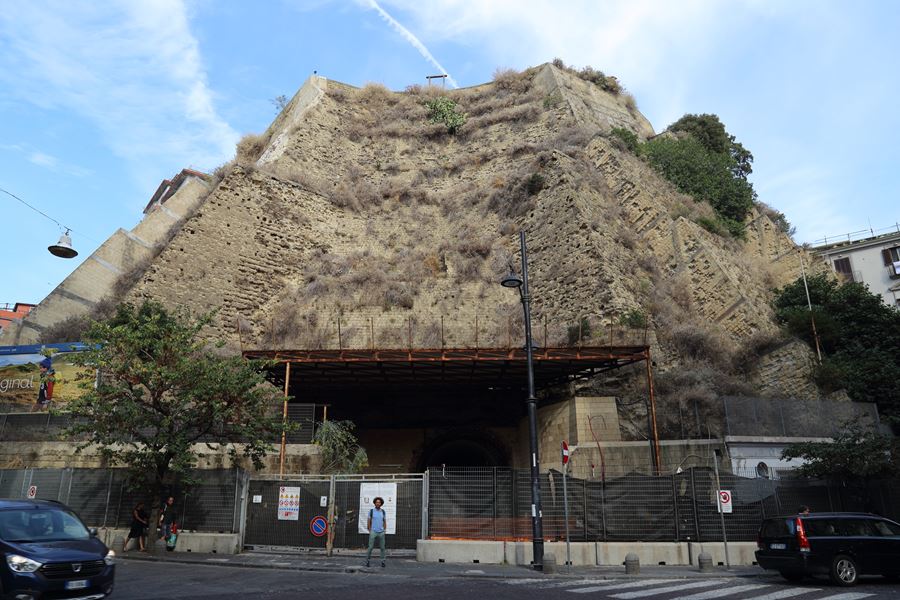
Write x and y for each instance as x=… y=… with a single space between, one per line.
x=464 y=451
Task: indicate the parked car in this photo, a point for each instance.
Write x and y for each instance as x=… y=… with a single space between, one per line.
x=48 y=552
x=840 y=545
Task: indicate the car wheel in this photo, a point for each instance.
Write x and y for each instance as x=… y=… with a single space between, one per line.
x=844 y=570
x=792 y=576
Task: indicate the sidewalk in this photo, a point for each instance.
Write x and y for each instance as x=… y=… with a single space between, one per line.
x=407 y=566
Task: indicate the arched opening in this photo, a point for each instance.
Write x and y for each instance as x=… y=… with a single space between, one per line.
x=473 y=450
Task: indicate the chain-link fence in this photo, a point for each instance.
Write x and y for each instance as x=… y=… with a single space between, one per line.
x=495 y=503
x=103 y=498
x=281 y=511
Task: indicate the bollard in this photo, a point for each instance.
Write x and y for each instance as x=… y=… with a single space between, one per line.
x=550 y=564
x=705 y=562
x=632 y=564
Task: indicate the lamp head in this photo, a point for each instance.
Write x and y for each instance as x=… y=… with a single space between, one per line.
x=511 y=281
x=63 y=248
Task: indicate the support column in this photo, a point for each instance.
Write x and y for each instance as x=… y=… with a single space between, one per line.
x=284 y=416
x=654 y=433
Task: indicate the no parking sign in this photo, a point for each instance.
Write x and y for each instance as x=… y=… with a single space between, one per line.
x=318 y=526
x=724 y=501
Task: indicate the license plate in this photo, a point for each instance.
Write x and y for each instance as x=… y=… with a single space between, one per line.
x=77 y=584
x=778 y=546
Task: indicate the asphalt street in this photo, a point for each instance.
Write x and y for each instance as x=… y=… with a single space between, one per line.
x=140 y=580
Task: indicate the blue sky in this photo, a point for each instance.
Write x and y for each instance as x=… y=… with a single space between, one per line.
x=100 y=101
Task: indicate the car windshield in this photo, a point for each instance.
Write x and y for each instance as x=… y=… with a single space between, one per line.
x=40 y=525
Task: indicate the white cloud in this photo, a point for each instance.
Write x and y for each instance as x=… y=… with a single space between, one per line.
x=47 y=161
x=132 y=68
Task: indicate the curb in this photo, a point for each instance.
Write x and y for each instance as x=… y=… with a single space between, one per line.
x=353 y=569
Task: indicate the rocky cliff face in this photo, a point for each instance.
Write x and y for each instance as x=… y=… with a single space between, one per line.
x=353 y=207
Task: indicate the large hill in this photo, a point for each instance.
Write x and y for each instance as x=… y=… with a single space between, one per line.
x=353 y=205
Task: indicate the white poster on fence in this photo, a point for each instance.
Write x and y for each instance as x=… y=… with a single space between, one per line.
x=288 y=503
x=367 y=494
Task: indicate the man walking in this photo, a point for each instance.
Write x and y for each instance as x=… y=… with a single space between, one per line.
x=377 y=525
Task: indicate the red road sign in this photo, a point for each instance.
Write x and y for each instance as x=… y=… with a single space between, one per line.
x=565 y=452
x=318 y=526
x=32 y=492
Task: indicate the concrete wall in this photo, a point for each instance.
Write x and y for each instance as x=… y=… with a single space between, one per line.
x=208 y=543
x=299 y=458
x=582 y=553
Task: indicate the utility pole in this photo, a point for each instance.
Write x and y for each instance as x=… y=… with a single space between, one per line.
x=812 y=317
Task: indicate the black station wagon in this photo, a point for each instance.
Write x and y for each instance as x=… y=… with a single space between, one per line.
x=840 y=545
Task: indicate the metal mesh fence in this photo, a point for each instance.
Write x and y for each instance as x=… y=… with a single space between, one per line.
x=435 y=330
x=792 y=418
x=103 y=498
x=352 y=498
x=495 y=503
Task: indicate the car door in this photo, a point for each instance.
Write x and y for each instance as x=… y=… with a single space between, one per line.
x=886 y=542
x=859 y=541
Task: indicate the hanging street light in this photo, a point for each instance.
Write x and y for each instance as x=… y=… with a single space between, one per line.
x=63 y=248
x=537 y=528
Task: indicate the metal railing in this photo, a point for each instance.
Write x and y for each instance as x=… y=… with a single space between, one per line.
x=855 y=236
x=103 y=498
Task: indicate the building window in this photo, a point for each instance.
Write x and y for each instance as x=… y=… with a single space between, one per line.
x=891 y=258
x=842 y=267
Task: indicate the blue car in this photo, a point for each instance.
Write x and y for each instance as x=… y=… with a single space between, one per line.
x=49 y=553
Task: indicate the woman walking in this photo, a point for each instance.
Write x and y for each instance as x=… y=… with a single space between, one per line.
x=139 y=521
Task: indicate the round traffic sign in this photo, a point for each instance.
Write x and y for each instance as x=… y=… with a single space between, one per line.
x=32 y=492
x=725 y=496
x=565 y=452
x=318 y=526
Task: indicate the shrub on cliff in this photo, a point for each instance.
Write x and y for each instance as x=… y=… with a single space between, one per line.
x=705 y=175
x=443 y=110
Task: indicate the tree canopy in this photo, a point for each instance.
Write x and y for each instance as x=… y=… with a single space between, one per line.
x=341 y=452
x=161 y=389
x=704 y=160
x=859 y=335
x=857 y=453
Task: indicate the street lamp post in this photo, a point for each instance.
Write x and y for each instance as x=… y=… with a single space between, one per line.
x=537 y=528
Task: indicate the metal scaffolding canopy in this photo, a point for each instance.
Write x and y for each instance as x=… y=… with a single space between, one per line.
x=485 y=368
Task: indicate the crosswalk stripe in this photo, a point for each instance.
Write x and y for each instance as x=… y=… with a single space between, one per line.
x=788 y=593
x=722 y=592
x=847 y=596
x=619 y=586
x=666 y=590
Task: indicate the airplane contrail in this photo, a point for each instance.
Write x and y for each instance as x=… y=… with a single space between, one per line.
x=412 y=39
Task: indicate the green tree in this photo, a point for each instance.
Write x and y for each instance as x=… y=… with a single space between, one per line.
x=858 y=453
x=706 y=175
x=859 y=335
x=160 y=390
x=444 y=110
x=341 y=452
x=710 y=131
